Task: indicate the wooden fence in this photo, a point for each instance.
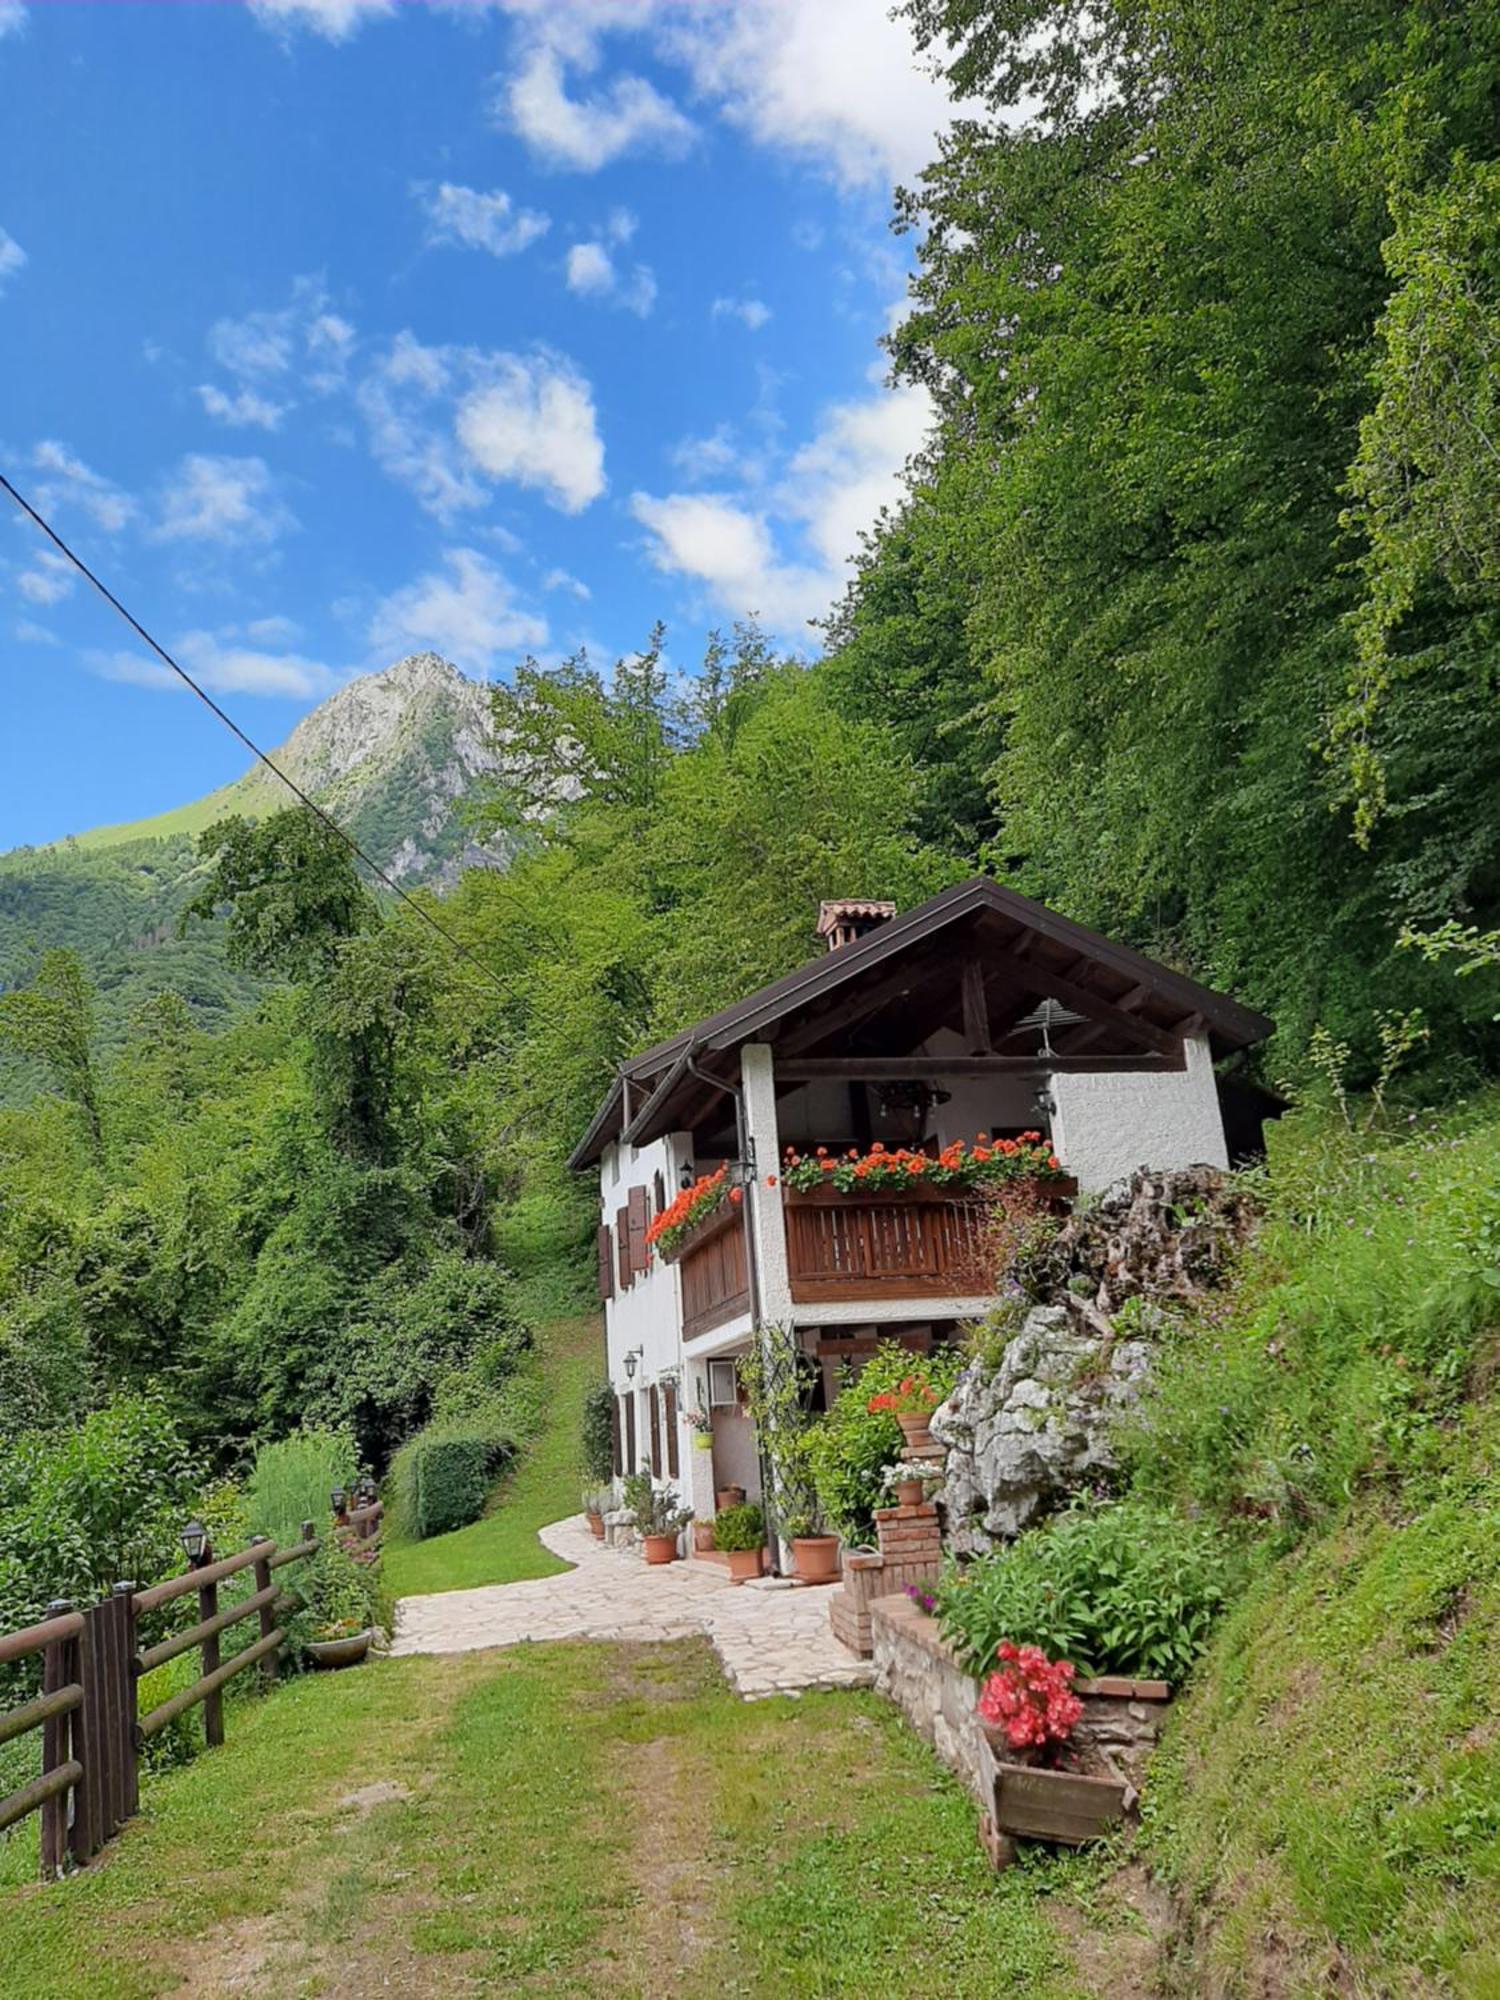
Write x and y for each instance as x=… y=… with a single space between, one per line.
x=87 y=1711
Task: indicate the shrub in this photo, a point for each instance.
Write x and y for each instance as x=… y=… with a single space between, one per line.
x=340 y=1596
x=598 y=1433
x=655 y=1508
x=441 y=1480
x=850 y=1446
x=1127 y=1589
x=738 y=1528
x=291 y=1480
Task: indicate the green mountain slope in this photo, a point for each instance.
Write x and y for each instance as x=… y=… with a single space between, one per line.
x=389 y=756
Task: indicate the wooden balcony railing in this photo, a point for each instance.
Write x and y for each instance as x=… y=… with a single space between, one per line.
x=715 y=1275
x=912 y=1243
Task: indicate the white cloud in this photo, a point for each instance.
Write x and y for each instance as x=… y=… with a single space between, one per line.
x=49 y=580
x=214 y=499
x=592 y=274
x=12 y=18
x=708 y=457
x=475 y=221
x=243 y=408
x=397 y=399
x=752 y=313
x=466 y=611
x=224 y=664
x=561 y=579
x=12 y=258
x=585 y=133
x=831 y=491
x=728 y=548
x=68 y=481
x=301 y=345
x=273 y=631
x=534 y=423
x=334 y=20
x=32 y=634
x=837 y=84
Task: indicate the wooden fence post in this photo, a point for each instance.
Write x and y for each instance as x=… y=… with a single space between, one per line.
x=56 y=1734
x=213 y=1703
x=271 y=1661
x=126 y=1737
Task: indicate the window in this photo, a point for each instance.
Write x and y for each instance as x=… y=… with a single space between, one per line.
x=723 y=1386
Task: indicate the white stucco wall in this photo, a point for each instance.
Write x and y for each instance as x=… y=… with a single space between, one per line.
x=647 y=1314
x=1108 y=1123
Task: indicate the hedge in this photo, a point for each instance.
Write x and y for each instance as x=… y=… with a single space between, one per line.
x=443 y=1479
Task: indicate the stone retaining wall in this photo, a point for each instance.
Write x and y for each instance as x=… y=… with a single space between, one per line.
x=916 y=1668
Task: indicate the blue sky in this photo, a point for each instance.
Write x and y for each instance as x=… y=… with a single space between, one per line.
x=333 y=329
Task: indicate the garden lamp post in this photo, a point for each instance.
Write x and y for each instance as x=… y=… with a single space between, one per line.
x=338 y=1499
x=194 y=1539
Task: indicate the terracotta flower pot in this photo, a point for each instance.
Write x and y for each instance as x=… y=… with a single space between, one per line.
x=816 y=1558
x=660 y=1548
x=745 y=1564
x=729 y=1496
x=703 y=1537
x=596 y=1526
x=910 y=1492
x=914 y=1430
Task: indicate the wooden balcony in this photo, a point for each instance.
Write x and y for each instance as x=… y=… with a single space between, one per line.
x=903 y=1243
x=715 y=1275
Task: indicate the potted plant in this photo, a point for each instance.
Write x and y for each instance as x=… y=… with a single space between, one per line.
x=911 y=1403
x=740 y=1533
x=988 y=1167
x=597 y=1501
x=910 y=1481
x=729 y=1496
x=658 y=1518
x=815 y=1553
x=340 y=1606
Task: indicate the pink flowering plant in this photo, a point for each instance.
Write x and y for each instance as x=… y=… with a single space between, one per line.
x=1030 y=1698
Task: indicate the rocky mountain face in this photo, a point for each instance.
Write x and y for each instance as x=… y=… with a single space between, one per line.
x=389 y=757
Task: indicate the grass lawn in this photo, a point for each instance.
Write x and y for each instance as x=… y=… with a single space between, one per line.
x=545 y=1486
x=579 y=1820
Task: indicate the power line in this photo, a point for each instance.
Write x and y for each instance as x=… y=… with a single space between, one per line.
x=254 y=748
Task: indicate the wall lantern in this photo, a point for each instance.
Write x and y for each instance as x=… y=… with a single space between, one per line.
x=194 y=1539
x=686 y=1176
x=633 y=1360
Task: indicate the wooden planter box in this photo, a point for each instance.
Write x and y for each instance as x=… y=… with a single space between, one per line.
x=705 y=1231
x=1055 y=1805
x=1051 y=1191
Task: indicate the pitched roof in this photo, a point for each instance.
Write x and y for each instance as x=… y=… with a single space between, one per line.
x=1042 y=952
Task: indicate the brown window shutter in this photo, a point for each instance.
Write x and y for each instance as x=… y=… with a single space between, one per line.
x=622 y=1244
x=669 y=1398
x=639 y=1212
x=655 y=1402
x=606 y=1256
x=617 y=1463
x=628 y=1399
x=658 y=1191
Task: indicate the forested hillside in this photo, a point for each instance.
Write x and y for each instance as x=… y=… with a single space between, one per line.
x=1189 y=624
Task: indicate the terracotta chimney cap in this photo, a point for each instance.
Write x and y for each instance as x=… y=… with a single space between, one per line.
x=843 y=920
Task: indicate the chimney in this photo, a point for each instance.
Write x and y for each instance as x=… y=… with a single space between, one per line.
x=843 y=921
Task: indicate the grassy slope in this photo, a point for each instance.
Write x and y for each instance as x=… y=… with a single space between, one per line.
x=502 y=1548
x=1328 y=1806
x=570 y=1820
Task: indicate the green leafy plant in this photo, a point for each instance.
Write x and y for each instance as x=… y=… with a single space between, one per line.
x=655 y=1508
x=849 y=1448
x=597 y=1499
x=1126 y=1589
x=776 y=1377
x=598 y=1433
x=341 y=1595
x=739 y=1528
x=291 y=1480
x=441 y=1480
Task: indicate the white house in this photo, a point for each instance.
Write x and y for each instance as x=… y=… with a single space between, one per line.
x=978 y=1014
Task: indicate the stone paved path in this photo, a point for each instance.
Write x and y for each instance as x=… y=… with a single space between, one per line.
x=771 y=1638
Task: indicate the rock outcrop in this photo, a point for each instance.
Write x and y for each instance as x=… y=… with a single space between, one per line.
x=1024 y=1435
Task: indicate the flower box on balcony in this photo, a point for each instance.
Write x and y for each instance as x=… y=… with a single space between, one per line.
x=1047 y=1193
x=727 y=1215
